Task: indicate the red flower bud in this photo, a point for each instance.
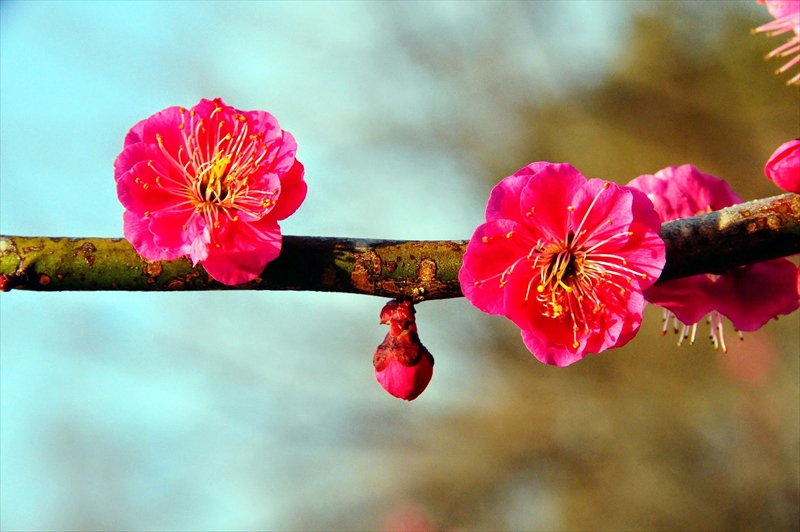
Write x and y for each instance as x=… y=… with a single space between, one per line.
x=783 y=166
x=403 y=366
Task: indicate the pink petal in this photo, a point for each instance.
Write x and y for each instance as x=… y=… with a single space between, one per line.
x=264 y=122
x=546 y=196
x=684 y=191
x=595 y=205
x=293 y=192
x=164 y=124
x=689 y=299
x=505 y=196
x=484 y=262
x=644 y=252
x=137 y=232
x=751 y=295
x=406 y=382
x=783 y=166
x=168 y=227
x=633 y=320
x=554 y=356
x=133 y=154
x=782 y=8
x=241 y=253
x=139 y=191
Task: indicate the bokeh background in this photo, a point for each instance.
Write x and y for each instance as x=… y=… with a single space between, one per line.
x=219 y=411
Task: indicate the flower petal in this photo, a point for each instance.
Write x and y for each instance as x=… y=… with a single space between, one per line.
x=293 y=192
x=241 y=252
x=546 y=196
x=485 y=261
x=504 y=198
x=752 y=295
x=554 y=356
x=783 y=166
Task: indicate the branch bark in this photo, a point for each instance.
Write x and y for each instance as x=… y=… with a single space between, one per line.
x=419 y=270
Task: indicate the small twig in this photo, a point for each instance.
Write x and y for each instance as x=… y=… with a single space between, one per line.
x=419 y=270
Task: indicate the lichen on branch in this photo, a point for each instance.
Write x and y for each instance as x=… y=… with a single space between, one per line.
x=399 y=269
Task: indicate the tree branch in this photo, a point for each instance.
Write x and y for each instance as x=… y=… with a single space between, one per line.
x=419 y=270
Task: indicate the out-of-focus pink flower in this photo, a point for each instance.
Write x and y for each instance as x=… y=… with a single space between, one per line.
x=798 y=282
x=210 y=183
x=783 y=166
x=787 y=19
x=565 y=259
x=403 y=366
x=749 y=296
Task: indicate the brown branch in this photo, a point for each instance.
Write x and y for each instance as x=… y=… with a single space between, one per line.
x=419 y=270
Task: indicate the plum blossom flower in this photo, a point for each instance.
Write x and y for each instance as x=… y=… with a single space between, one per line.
x=749 y=296
x=403 y=366
x=210 y=183
x=565 y=259
x=783 y=166
x=787 y=19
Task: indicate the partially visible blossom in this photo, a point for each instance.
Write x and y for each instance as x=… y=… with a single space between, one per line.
x=403 y=366
x=566 y=259
x=210 y=183
x=783 y=166
x=787 y=19
x=798 y=282
x=749 y=296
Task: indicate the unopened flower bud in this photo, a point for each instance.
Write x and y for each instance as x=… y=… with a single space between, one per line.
x=783 y=167
x=403 y=366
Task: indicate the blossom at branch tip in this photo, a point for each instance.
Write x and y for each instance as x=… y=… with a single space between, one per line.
x=565 y=259
x=403 y=366
x=749 y=296
x=210 y=183
x=787 y=19
x=783 y=166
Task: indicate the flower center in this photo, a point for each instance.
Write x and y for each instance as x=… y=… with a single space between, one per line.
x=217 y=172
x=210 y=185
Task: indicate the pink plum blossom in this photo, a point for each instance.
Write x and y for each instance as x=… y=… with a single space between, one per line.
x=565 y=259
x=787 y=19
x=783 y=166
x=210 y=183
x=403 y=366
x=749 y=296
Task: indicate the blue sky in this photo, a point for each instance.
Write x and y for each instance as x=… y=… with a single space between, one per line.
x=226 y=410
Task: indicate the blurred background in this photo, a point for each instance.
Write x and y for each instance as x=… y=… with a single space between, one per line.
x=218 y=411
